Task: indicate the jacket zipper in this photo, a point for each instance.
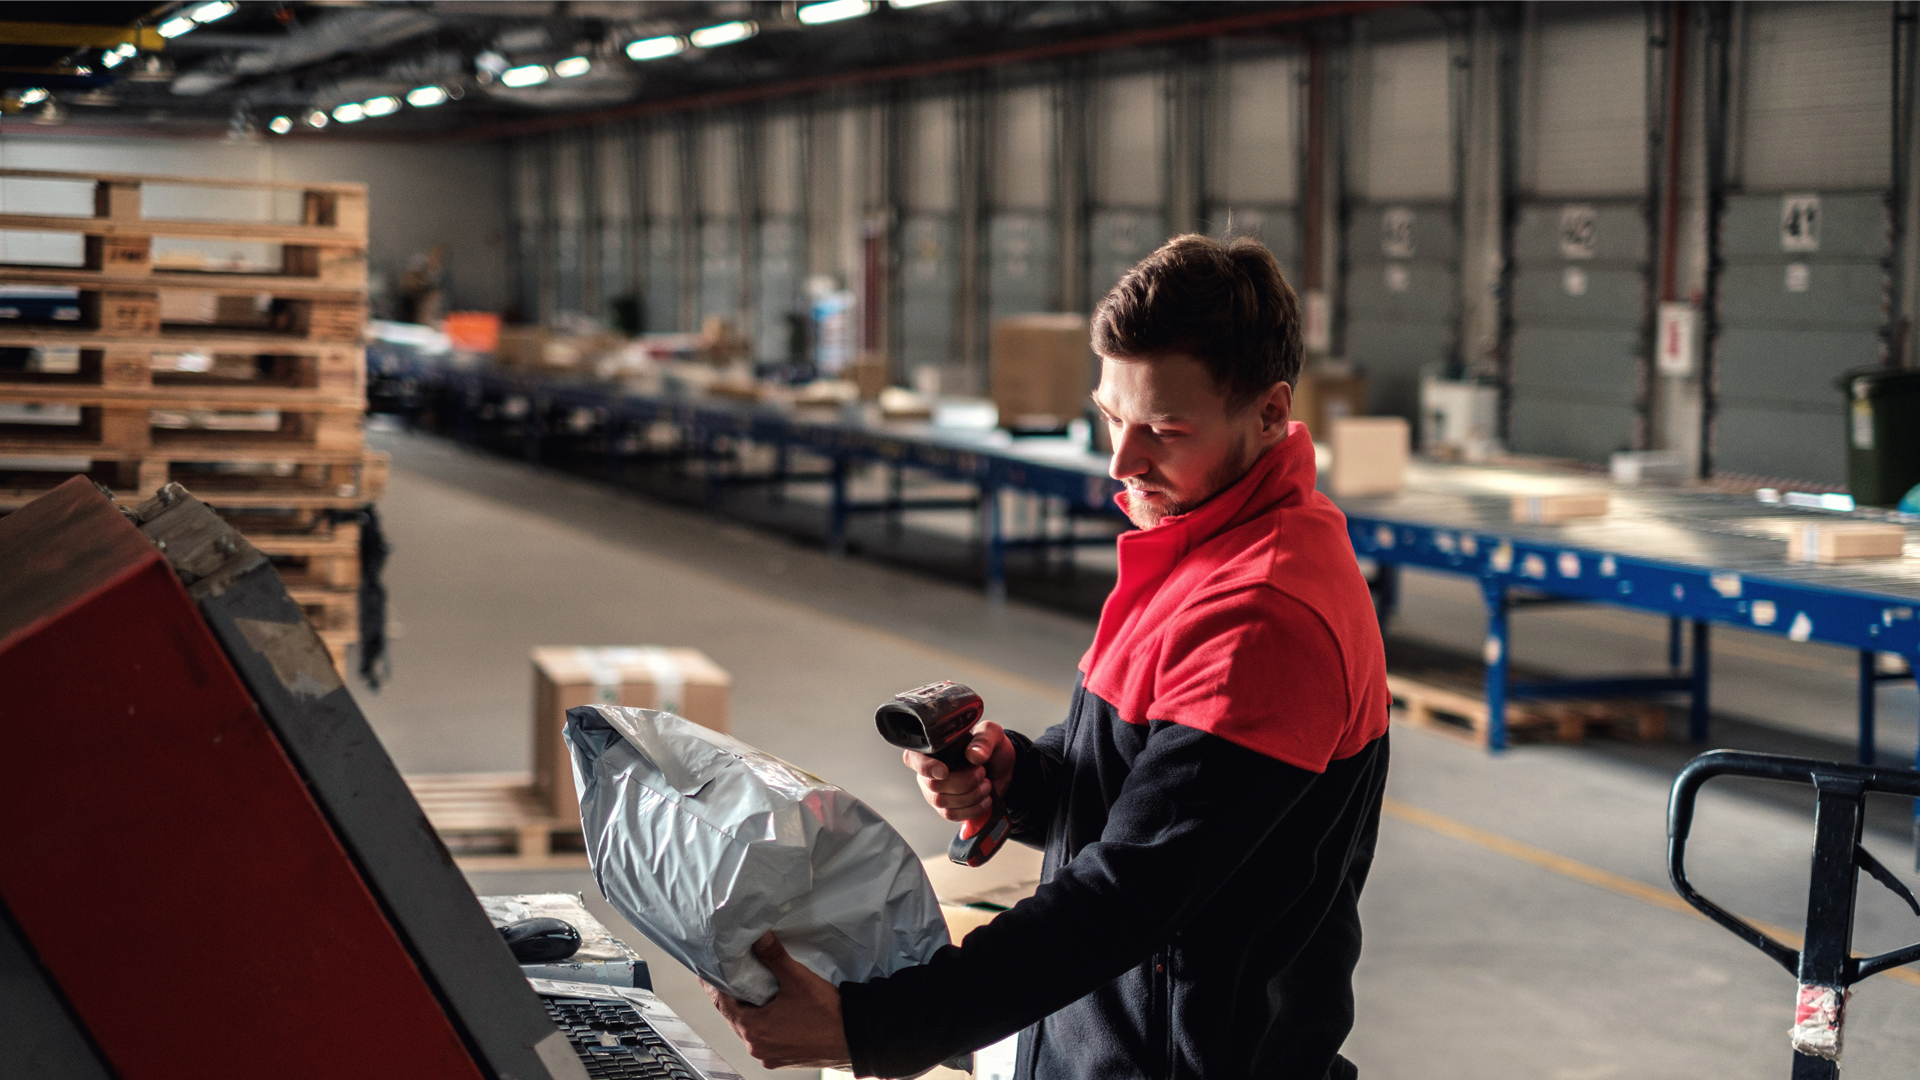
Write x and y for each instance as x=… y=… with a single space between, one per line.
x=1163 y=1007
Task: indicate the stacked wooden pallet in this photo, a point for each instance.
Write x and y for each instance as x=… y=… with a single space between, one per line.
x=242 y=379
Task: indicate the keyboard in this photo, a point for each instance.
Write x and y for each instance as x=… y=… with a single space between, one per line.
x=615 y=1042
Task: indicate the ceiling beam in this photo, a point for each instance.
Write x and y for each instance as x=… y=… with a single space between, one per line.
x=1267 y=19
x=75 y=35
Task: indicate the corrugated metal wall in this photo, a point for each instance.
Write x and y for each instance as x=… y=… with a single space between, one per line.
x=1088 y=164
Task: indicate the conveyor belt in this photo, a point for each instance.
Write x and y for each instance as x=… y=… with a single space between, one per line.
x=1702 y=556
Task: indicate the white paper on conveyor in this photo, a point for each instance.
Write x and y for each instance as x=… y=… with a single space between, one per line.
x=710 y=1065
x=704 y=843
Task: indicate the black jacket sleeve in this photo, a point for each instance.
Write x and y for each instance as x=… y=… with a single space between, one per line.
x=1033 y=791
x=1193 y=809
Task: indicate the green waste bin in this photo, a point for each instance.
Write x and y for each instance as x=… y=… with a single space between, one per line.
x=1883 y=433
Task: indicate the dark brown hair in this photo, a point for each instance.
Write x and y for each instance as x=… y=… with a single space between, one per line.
x=1226 y=305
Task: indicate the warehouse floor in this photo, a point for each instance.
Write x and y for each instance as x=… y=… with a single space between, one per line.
x=1519 y=922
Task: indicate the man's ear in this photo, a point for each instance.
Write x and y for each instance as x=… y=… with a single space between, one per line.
x=1276 y=409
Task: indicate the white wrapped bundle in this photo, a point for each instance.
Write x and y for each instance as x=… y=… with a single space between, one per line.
x=704 y=844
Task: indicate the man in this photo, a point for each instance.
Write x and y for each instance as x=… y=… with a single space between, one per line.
x=1208 y=809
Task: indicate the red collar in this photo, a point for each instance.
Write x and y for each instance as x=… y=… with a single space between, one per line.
x=1279 y=475
x=1283 y=475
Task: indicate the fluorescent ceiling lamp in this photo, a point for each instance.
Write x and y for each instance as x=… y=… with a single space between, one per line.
x=834 y=11
x=381 y=106
x=317 y=119
x=572 y=67
x=176 y=26
x=654 y=48
x=280 y=125
x=111 y=60
x=425 y=97
x=913 y=3
x=350 y=113
x=525 y=75
x=708 y=37
x=33 y=97
x=214 y=9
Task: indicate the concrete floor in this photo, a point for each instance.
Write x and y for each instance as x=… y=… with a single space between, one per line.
x=1484 y=959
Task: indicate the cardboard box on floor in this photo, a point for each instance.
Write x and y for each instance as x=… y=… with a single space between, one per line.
x=1369 y=455
x=1042 y=369
x=680 y=681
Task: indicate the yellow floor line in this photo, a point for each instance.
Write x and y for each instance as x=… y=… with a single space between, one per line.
x=1579 y=871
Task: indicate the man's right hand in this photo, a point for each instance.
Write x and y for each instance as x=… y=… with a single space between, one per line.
x=963 y=794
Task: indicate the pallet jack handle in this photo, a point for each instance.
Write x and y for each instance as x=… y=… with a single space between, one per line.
x=1825 y=965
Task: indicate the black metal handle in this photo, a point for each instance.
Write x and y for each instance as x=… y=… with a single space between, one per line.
x=1686 y=789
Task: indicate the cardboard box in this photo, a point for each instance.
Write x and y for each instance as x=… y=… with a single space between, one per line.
x=1043 y=369
x=1840 y=541
x=1321 y=398
x=1369 y=455
x=680 y=681
x=1552 y=509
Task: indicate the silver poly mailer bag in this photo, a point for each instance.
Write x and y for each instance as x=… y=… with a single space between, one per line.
x=704 y=844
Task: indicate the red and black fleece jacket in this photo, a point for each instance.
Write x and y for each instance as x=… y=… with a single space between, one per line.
x=1208 y=811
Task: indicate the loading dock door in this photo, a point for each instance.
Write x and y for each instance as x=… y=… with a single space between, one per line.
x=1579 y=298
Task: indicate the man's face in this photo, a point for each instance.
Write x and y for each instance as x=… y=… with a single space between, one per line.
x=1175 y=445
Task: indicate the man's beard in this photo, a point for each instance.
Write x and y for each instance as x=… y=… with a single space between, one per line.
x=1232 y=468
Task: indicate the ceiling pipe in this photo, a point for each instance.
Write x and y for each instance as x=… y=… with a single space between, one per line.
x=1208 y=28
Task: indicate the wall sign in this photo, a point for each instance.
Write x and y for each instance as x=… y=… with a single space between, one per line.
x=1675 y=355
x=1800 y=223
x=1398 y=277
x=1574 y=280
x=1577 y=231
x=1396 y=232
x=1799 y=277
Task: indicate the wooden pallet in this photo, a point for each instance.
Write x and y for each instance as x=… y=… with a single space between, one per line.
x=312 y=480
x=116 y=426
x=1458 y=709
x=496 y=817
x=326 y=247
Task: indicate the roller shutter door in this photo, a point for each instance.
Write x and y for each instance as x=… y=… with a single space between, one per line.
x=1129 y=177
x=1256 y=166
x=719 y=234
x=1401 y=284
x=1023 y=243
x=1580 y=279
x=1803 y=281
x=1577 y=335
x=662 y=259
x=613 y=199
x=569 y=223
x=929 y=252
x=1402 y=277
x=1790 y=322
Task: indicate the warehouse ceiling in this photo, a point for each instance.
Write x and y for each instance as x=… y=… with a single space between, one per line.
x=484 y=69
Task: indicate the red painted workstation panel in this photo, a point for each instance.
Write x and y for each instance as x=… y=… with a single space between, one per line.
x=161 y=855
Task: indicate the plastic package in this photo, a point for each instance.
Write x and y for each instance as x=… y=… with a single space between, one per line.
x=704 y=844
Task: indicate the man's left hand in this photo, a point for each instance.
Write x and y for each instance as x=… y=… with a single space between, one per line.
x=800 y=1027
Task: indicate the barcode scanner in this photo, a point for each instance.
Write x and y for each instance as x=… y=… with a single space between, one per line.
x=937 y=720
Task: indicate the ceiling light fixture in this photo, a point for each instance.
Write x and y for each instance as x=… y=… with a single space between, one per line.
x=834 y=11
x=572 y=67
x=351 y=113
x=317 y=119
x=212 y=10
x=111 y=60
x=426 y=97
x=709 y=37
x=33 y=97
x=913 y=3
x=385 y=105
x=654 y=48
x=280 y=125
x=176 y=26
x=525 y=75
